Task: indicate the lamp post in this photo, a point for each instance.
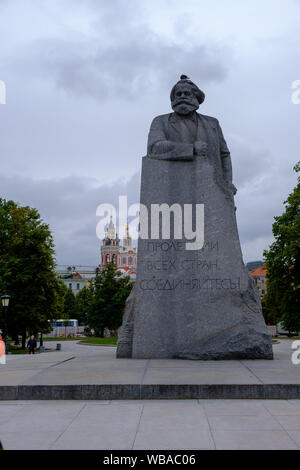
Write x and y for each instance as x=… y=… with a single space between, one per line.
x=5 y=299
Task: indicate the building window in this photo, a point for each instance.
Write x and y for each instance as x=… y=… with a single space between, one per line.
x=263 y=292
x=107 y=259
x=130 y=260
x=124 y=261
x=70 y=286
x=78 y=286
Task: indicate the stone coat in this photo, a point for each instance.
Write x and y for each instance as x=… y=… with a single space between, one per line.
x=166 y=139
x=199 y=304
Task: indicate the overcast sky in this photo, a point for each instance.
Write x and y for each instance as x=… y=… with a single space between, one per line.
x=85 y=78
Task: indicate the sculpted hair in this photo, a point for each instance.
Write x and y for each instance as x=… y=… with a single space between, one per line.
x=200 y=95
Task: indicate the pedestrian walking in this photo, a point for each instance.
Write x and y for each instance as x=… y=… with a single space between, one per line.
x=31 y=345
x=2 y=351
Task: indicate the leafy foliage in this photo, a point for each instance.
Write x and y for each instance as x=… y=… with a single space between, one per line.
x=61 y=291
x=27 y=269
x=270 y=312
x=84 y=299
x=283 y=263
x=70 y=305
x=110 y=291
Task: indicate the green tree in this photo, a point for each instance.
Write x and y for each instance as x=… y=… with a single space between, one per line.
x=61 y=291
x=110 y=291
x=70 y=305
x=84 y=299
x=283 y=263
x=270 y=312
x=27 y=269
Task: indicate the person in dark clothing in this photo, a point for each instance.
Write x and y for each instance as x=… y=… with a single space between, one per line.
x=31 y=345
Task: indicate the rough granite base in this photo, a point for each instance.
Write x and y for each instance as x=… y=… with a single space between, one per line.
x=200 y=305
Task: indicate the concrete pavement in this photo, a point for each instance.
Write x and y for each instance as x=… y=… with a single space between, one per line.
x=154 y=425
x=76 y=369
x=147 y=424
x=78 y=364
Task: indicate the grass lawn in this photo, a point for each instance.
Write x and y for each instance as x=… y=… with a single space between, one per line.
x=16 y=349
x=13 y=349
x=105 y=341
x=293 y=338
x=75 y=338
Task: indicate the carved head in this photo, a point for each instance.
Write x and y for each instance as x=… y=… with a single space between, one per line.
x=186 y=97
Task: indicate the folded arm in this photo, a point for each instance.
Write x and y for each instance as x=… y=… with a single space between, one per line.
x=161 y=148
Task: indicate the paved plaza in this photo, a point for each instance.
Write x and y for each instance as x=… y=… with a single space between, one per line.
x=154 y=425
x=147 y=424
x=80 y=364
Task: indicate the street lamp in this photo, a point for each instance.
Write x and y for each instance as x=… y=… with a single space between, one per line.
x=5 y=299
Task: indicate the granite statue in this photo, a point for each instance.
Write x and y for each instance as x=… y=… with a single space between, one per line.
x=191 y=303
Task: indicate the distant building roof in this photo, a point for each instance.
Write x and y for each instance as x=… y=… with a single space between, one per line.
x=76 y=276
x=86 y=272
x=70 y=276
x=79 y=269
x=259 y=272
x=254 y=265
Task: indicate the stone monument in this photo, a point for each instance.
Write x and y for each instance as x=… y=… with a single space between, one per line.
x=193 y=297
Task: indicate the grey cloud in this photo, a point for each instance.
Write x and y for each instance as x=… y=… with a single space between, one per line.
x=69 y=206
x=126 y=70
x=122 y=56
x=258 y=202
x=249 y=164
x=263 y=186
x=114 y=54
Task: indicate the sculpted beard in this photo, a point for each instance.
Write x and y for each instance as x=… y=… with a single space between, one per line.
x=185 y=105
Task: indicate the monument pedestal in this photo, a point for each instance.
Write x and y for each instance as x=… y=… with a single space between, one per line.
x=193 y=304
